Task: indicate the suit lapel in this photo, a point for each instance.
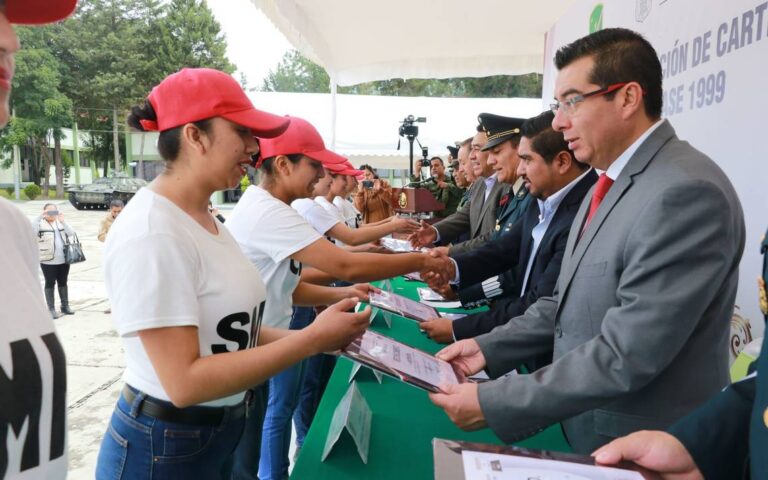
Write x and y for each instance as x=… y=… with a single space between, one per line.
x=493 y=197
x=476 y=203
x=639 y=161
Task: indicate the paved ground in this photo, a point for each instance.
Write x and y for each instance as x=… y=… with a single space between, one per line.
x=94 y=355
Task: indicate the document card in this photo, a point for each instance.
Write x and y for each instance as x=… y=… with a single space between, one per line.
x=403 y=306
x=401 y=361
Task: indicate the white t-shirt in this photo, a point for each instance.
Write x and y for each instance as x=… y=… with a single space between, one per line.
x=334 y=211
x=269 y=232
x=317 y=216
x=348 y=210
x=35 y=402
x=163 y=269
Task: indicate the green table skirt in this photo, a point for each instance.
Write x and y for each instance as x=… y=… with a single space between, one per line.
x=404 y=421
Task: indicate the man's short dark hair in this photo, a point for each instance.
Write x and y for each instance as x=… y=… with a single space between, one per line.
x=438 y=159
x=620 y=55
x=545 y=140
x=119 y=204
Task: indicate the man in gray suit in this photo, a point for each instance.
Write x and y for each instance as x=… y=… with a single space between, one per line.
x=639 y=318
x=477 y=218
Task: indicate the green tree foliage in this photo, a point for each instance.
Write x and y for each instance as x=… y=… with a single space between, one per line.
x=296 y=73
x=104 y=59
x=41 y=107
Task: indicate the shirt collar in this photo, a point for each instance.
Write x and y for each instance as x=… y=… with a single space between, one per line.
x=517 y=185
x=549 y=206
x=618 y=165
x=490 y=181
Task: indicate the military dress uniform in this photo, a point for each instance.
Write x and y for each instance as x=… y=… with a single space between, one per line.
x=511 y=208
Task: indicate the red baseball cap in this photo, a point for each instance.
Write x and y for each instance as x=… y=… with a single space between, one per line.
x=36 y=12
x=336 y=168
x=300 y=138
x=194 y=94
x=350 y=170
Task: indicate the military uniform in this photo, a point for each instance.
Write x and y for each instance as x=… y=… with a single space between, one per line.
x=449 y=196
x=728 y=436
x=511 y=208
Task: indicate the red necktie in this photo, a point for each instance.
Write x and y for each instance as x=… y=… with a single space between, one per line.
x=603 y=185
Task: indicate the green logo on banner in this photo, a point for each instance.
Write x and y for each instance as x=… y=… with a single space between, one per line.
x=596 y=19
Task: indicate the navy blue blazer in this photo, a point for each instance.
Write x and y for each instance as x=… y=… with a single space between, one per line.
x=509 y=253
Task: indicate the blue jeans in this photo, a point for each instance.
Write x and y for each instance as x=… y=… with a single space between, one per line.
x=246 y=456
x=138 y=446
x=284 y=391
x=317 y=372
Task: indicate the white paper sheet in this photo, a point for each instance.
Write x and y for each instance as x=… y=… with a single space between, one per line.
x=495 y=466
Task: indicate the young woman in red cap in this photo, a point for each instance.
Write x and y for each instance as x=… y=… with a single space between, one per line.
x=279 y=241
x=186 y=302
x=33 y=443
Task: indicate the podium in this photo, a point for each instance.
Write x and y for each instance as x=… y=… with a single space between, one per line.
x=415 y=200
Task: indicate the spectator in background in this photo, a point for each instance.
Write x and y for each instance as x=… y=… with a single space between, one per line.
x=115 y=207
x=215 y=212
x=51 y=231
x=443 y=189
x=374 y=197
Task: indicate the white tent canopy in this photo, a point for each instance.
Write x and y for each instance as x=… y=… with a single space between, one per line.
x=367 y=126
x=364 y=40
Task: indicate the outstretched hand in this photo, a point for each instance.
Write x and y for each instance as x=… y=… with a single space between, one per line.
x=424 y=236
x=659 y=452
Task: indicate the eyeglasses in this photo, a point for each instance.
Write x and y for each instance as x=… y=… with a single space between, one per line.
x=569 y=106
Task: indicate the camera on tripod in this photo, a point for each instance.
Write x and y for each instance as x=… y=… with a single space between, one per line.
x=408 y=129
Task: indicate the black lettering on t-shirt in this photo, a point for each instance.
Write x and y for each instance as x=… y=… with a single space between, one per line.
x=227 y=330
x=295 y=267
x=258 y=314
x=58 y=419
x=21 y=398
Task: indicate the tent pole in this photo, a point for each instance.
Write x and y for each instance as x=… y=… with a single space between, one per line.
x=333 y=112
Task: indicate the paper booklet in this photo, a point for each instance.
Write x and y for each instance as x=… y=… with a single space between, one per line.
x=415 y=276
x=403 y=306
x=397 y=245
x=426 y=293
x=403 y=362
x=457 y=460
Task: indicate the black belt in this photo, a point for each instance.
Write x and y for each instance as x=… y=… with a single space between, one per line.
x=165 y=411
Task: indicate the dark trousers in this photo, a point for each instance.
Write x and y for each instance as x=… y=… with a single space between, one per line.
x=55 y=274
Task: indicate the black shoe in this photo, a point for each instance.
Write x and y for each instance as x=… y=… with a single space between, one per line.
x=64 y=296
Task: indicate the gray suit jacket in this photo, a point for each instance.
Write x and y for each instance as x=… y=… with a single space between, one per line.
x=476 y=217
x=639 y=318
